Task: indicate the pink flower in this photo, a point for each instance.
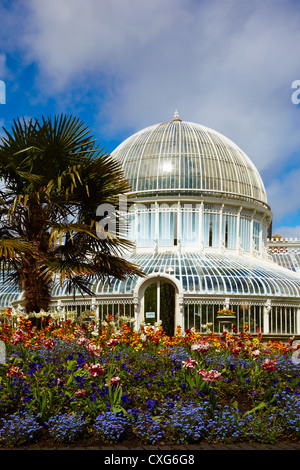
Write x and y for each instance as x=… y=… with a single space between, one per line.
x=189 y=364
x=82 y=341
x=255 y=353
x=269 y=365
x=201 y=347
x=18 y=337
x=236 y=350
x=48 y=343
x=14 y=370
x=209 y=375
x=96 y=370
x=115 y=381
x=112 y=343
x=80 y=393
x=93 y=349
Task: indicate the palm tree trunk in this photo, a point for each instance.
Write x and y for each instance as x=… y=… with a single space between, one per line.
x=36 y=290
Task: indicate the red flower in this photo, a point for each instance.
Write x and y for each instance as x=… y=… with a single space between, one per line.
x=93 y=349
x=96 y=370
x=255 y=353
x=269 y=365
x=14 y=370
x=190 y=364
x=115 y=381
x=82 y=341
x=19 y=337
x=209 y=375
x=201 y=347
x=112 y=343
x=48 y=343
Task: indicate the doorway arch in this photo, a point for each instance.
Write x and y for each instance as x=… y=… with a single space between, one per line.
x=159 y=298
x=159 y=304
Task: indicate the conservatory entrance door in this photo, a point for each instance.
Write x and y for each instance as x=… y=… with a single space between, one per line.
x=159 y=305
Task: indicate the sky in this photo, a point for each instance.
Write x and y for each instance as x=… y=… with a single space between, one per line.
x=123 y=65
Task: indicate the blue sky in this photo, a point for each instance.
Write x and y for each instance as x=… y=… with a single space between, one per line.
x=122 y=65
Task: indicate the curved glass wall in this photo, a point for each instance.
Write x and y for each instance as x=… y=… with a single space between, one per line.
x=9 y=292
x=204 y=278
x=194 y=226
x=208 y=274
x=288 y=260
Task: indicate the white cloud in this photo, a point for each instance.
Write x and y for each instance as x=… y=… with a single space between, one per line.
x=284 y=194
x=288 y=231
x=228 y=65
x=2 y=92
x=74 y=38
x=3 y=72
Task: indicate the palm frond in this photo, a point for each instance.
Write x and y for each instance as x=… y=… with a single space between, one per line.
x=58 y=232
x=56 y=177
x=13 y=248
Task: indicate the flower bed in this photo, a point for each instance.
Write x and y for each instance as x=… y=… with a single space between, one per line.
x=226 y=312
x=62 y=384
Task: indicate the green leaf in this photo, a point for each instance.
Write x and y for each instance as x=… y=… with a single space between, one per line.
x=258 y=407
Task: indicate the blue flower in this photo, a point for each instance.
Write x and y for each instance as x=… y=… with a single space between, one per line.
x=65 y=427
x=110 y=426
x=125 y=399
x=150 y=404
x=19 y=429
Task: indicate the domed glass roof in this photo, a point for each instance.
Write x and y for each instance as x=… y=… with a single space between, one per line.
x=187 y=158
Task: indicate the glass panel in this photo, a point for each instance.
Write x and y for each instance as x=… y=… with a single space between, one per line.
x=229 y=225
x=150 y=303
x=167 y=307
x=256 y=228
x=166 y=228
x=245 y=227
x=130 y=221
x=210 y=230
x=146 y=229
x=190 y=229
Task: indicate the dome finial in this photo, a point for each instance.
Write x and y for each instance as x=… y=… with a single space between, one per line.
x=176 y=116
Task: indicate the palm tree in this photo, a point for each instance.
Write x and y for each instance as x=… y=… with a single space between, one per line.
x=54 y=178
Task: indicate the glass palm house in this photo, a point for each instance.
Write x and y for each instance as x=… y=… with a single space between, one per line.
x=199 y=218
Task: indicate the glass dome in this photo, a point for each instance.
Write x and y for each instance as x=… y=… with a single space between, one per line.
x=188 y=158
